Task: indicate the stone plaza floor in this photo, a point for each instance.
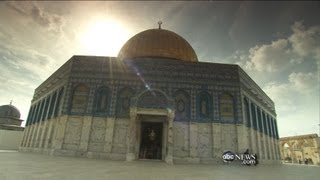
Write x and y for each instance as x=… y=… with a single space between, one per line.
x=29 y=166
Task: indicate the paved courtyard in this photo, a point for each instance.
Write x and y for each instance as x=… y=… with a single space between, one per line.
x=27 y=166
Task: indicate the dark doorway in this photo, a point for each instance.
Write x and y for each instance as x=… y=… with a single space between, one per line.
x=151 y=141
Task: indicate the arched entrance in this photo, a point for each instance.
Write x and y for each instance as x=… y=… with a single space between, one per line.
x=150 y=128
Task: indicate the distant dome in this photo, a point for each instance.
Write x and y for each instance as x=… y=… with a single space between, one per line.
x=158 y=43
x=9 y=111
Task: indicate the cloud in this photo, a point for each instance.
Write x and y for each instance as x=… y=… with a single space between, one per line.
x=51 y=22
x=302 y=45
x=303 y=83
x=305 y=42
x=40 y=17
x=298 y=83
x=296 y=102
x=286 y=69
x=271 y=57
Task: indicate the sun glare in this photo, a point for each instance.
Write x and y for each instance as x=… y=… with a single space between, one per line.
x=104 y=38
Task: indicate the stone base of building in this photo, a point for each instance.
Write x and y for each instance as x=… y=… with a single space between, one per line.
x=122 y=157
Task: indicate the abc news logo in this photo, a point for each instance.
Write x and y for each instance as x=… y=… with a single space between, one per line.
x=246 y=159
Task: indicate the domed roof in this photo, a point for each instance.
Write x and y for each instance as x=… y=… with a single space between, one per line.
x=158 y=43
x=9 y=111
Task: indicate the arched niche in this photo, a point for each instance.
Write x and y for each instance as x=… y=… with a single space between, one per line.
x=79 y=99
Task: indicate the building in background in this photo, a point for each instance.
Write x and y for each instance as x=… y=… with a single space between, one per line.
x=11 y=131
x=303 y=149
x=154 y=101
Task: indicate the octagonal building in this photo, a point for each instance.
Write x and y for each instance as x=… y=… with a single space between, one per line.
x=154 y=101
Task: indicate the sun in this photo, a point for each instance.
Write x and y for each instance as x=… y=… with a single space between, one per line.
x=104 y=38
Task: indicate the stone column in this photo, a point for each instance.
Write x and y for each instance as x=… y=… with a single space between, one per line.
x=271 y=144
x=257 y=133
x=44 y=123
x=47 y=138
x=273 y=139
x=52 y=133
x=51 y=117
x=108 y=140
x=263 y=155
x=193 y=140
x=40 y=124
x=268 y=138
x=263 y=117
x=30 y=127
x=277 y=141
x=35 y=125
x=216 y=137
x=26 y=130
x=132 y=135
x=43 y=132
x=242 y=133
x=253 y=139
x=24 y=137
x=193 y=130
x=59 y=132
x=169 y=152
x=55 y=104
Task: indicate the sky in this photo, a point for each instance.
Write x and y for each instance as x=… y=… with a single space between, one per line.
x=276 y=43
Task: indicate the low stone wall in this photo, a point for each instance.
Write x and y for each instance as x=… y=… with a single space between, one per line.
x=10 y=140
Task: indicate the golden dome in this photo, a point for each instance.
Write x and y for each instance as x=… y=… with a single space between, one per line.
x=158 y=43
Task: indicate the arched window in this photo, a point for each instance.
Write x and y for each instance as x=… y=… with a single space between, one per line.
x=152 y=99
x=226 y=106
x=80 y=99
x=182 y=105
x=123 y=102
x=204 y=105
x=102 y=101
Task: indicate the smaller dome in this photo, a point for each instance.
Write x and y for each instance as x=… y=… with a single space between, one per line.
x=9 y=111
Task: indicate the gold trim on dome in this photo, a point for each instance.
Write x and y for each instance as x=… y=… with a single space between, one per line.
x=158 y=43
